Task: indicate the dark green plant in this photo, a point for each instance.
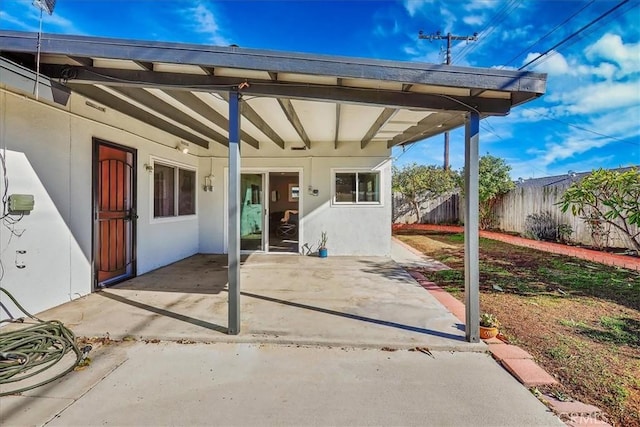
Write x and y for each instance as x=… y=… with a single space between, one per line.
x=542 y=226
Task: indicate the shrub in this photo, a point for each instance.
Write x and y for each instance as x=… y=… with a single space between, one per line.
x=542 y=226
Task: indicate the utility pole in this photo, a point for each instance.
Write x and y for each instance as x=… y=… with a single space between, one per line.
x=449 y=37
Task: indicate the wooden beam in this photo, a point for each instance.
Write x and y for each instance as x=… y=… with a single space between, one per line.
x=196 y=104
x=189 y=82
x=147 y=66
x=252 y=116
x=156 y=104
x=292 y=116
x=85 y=62
x=131 y=110
x=382 y=119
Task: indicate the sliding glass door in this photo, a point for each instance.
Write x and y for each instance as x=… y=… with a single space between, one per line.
x=252 y=212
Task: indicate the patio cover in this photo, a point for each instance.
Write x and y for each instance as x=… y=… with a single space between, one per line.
x=293 y=100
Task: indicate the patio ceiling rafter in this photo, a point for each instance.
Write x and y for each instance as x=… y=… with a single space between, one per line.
x=115 y=103
x=290 y=111
x=196 y=104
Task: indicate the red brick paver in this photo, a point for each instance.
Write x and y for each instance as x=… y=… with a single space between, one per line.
x=528 y=372
x=623 y=261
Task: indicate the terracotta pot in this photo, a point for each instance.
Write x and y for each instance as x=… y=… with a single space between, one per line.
x=486 y=332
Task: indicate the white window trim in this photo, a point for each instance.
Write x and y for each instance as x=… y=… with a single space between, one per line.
x=178 y=165
x=380 y=174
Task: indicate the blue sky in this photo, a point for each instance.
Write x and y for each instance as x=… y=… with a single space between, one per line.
x=589 y=117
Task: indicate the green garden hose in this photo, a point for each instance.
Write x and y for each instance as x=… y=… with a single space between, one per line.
x=29 y=351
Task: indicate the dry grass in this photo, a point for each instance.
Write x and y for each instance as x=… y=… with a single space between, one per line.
x=580 y=320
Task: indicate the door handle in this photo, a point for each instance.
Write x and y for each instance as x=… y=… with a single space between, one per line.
x=132 y=214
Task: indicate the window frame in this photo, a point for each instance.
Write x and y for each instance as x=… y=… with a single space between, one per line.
x=357 y=171
x=177 y=166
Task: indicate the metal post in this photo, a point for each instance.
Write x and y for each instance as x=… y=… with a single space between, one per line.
x=234 y=213
x=471 y=225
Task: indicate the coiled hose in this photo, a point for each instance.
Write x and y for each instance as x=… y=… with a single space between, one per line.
x=29 y=351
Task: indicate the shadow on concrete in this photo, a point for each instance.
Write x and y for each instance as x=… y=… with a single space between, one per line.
x=163 y=312
x=356 y=317
x=388 y=269
x=202 y=274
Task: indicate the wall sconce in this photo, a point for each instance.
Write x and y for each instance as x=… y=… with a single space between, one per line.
x=183 y=147
x=208 y=182
x=148 y=167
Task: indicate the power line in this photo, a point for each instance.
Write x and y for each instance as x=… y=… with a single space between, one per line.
x=590 y=31
x=449 y=37
x=491 y=26
x=579 y=127
x=566 y=39
x=548 y=33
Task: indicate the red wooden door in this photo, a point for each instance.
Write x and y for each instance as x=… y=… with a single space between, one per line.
x=115 y=213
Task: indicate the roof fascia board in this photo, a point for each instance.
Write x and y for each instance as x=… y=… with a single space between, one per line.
x=277 y=62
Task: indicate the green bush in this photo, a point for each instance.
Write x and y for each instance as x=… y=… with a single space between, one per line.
x=542 y=226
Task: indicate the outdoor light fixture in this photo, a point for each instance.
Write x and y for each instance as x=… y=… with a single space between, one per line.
x=183 y=147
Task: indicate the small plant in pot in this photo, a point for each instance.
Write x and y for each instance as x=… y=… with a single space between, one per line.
x=322 y=245
x=489 y=325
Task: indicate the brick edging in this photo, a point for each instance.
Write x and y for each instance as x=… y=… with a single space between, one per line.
x=516 y=361
x=556 y=248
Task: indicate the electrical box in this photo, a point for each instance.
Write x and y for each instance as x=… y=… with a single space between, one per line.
x=21 y=204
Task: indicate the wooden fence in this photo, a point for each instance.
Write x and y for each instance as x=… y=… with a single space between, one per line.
x=441 y=210
x=511 y=212
x=514 y=207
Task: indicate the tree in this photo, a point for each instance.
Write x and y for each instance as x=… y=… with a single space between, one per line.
x=494 y=181
x=607 y=196
x=416 y=181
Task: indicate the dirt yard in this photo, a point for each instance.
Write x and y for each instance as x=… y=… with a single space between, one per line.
x=580 y=320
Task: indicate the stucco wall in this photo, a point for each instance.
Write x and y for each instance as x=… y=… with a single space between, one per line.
x=48 y=151
x=352 y=230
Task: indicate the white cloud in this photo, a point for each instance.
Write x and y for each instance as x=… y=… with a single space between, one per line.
x=481 y=5
x=611 y=48
x=597 y=97
x=30 y=19
x=551 y=63
x=415 y=6
x=6 y=18
x=518 y=33
x=202 y=20
x=570 y=146
x=474 y=20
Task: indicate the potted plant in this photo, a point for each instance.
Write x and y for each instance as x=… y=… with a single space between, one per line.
x=322 y=245
x=489 y=325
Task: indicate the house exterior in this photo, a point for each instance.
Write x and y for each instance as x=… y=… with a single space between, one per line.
x=140 y=154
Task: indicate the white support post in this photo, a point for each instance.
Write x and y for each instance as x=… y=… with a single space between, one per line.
x=233 y=236
x=471 y=226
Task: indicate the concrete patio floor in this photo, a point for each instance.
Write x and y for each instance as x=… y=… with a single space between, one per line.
x=316 y=348
x=286 y=299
